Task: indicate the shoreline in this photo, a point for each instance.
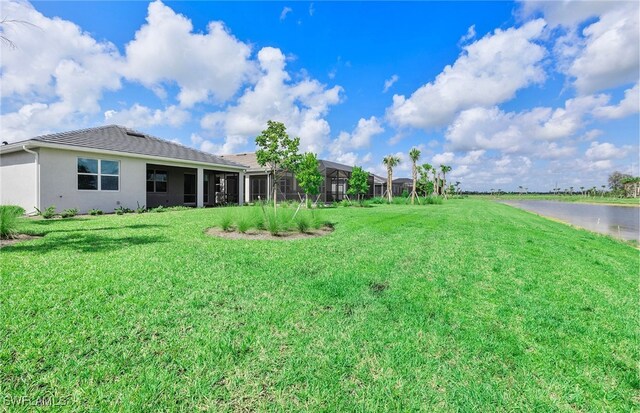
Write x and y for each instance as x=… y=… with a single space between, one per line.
x=631 y=242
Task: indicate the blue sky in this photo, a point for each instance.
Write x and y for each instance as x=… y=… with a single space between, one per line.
x=508 y=94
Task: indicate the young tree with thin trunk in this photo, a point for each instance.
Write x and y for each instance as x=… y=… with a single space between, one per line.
x=358 y=183
x=436 y=186
x=414 y=154
x=278 y=152
x=423 y=181
x=390 y=161
x=444 y=169
x=308 y=176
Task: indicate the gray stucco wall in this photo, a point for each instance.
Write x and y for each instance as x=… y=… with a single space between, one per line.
x=18 y=180
x=59 y=182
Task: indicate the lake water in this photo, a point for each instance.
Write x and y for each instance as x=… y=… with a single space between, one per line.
x=618 y=221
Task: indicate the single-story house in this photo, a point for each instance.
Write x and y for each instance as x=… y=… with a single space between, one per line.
x=112 y=166
x=258 y=180
x=402 y=184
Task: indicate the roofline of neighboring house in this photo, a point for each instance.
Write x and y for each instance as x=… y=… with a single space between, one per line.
x=31 y=143
x=266 y=170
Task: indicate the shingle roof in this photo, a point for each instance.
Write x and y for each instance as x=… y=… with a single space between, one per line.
x=249 y=159
x=120 y=139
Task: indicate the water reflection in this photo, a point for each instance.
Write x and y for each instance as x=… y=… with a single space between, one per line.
x=618 y=221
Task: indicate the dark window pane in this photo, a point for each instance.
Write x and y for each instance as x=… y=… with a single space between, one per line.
x=149 y=186
x=89 y=166
x=88 y=182
x=109 y=183
x=150 y=175
x=161 y=187
x=189 y=199
x=110 y=167
x=161 y=176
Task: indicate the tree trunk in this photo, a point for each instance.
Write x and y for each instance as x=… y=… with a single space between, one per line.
x=413 y=191
x=444 y=184
x=389 y=183
x=275 y=193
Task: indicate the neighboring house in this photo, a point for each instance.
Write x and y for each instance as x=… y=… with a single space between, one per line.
x=258 y=181
x=112 y=166
x=402 y=184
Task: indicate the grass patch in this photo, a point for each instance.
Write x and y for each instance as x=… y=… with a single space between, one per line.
x=470 y=306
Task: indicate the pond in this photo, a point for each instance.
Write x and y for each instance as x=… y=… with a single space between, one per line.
x=618 y=221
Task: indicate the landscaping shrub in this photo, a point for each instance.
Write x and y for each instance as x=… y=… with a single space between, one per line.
x=48 y=213
x=159 y=209
x=141 y=209
x=433 y=200
x=225 y=221
x=316 y=222
x=378 y=200
x=8 y=220
x=244 y=223
x=303 y=222
x=69 y=212
x=122 y=210
x=271 y=223
x=95 y=212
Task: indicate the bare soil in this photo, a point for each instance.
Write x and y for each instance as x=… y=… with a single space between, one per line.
x=16 y=239
x=266 y=235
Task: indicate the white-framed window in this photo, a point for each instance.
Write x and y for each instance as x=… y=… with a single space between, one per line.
x=98 y=175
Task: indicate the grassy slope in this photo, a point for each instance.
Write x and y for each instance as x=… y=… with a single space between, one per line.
x=565 y=198
x=487 y=308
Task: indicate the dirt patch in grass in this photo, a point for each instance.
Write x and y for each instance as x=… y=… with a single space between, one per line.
x=16 y=239
x=378 y=288
x=266 y=235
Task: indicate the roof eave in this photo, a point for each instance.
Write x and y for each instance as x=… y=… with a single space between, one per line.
x=33 y=144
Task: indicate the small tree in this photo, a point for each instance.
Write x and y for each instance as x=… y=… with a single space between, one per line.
x=278 y=152
x=444 y=169
x=390 y=161
x=414 y=154
x=358 y=183
x=308 y=175
x=424 y=184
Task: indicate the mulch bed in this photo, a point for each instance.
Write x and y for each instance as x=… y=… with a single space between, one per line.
x=16 y=239
x=266 y=235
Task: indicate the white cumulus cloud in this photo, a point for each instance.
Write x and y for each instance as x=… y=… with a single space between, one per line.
x=301 y=106
x=489 y=71
x=205 y=66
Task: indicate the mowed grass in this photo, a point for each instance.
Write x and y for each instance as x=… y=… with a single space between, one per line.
x=466 y=306
x=564 y=198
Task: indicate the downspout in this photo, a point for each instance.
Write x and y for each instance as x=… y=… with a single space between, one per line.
x=37 y=155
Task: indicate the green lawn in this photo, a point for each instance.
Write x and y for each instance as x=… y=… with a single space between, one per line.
x=467 y=306
x=564 y=198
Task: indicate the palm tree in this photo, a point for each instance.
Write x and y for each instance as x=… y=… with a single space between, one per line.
x=603 y=187
x=390 y=161
x=582 y=190
x=427 y=167
x=520 y=190
x=458 y=187
x=444 y=169
x=414 y=154
x=435 y=180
